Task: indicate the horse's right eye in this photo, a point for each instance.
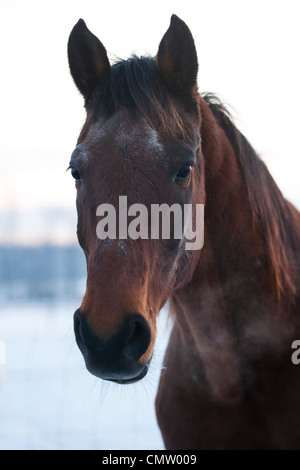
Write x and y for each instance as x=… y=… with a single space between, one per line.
x=76 y=175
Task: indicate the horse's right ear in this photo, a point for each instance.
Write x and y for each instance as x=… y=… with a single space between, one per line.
x=88 y=59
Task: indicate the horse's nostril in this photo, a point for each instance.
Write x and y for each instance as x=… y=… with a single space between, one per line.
x=78 y=333
x=139 y=337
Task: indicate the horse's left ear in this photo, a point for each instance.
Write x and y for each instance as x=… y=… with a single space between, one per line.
x=177 y=57
x=88 y=59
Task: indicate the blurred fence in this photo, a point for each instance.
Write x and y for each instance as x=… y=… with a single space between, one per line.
x=43 y=273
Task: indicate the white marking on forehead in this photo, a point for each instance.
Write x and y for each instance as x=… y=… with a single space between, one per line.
x=149 y=137
x=153 y=142
x=121 y=132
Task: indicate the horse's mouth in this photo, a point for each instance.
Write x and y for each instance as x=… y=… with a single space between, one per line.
x=133 y=379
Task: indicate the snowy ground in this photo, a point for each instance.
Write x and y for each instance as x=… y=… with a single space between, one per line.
x=49 y=401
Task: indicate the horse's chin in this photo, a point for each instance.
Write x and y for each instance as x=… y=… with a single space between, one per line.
x=133 y=379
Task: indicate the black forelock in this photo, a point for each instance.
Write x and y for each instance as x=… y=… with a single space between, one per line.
x=135 y=84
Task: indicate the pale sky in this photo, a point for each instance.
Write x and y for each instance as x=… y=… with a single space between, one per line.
x=248 y=53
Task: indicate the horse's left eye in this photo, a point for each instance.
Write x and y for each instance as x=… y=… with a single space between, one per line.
x=184 y=173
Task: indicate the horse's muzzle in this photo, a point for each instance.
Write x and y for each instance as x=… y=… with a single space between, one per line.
x=118 y=358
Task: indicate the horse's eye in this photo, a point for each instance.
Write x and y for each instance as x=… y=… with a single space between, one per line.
x=184 y=173
x=76 y=175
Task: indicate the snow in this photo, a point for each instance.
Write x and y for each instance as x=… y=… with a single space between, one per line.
x=49 y=401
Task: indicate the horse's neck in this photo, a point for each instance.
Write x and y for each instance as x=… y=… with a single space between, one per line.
x=251 y=232
x=223 y=300
x=232 y=244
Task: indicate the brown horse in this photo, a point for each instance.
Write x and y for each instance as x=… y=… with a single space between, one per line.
x=230 y=382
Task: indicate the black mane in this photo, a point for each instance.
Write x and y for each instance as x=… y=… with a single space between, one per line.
x=272 y=215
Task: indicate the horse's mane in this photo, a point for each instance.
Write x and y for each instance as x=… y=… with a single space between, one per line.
x=272 y=214
x=136 y=84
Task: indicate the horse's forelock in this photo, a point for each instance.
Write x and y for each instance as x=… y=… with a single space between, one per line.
x=136 y=85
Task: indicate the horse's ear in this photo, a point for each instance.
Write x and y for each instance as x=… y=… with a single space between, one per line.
x=88 y=59
x=177 y=57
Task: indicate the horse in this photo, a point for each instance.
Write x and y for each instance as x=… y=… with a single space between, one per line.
x=229 y=381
